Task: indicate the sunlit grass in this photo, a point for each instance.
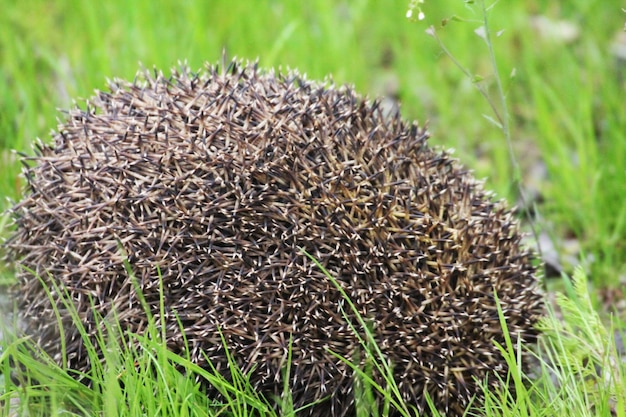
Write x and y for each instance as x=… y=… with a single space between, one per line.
x=577 y=371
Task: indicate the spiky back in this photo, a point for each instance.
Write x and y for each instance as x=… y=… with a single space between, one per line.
x=218 y=180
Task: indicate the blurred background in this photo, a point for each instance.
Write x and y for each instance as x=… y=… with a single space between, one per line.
x=562 y=65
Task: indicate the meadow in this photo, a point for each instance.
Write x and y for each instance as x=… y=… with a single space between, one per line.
x=536 y=109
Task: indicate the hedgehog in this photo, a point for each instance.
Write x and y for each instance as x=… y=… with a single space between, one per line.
x=208 y=189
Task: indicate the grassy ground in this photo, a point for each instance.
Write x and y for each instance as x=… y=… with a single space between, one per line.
x=559 y=63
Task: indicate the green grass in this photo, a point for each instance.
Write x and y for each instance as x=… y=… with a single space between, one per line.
x=138 y=376
x=566 y=109
x=577 y=371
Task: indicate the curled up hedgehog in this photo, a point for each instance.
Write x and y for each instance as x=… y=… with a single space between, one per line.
x=212 y=185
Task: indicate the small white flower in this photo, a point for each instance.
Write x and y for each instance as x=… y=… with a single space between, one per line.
x=414 y=5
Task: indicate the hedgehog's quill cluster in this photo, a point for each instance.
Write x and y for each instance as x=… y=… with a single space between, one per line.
x=218 y=180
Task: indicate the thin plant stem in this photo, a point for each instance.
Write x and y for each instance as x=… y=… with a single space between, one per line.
x=501 y=116
x=505 y=126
